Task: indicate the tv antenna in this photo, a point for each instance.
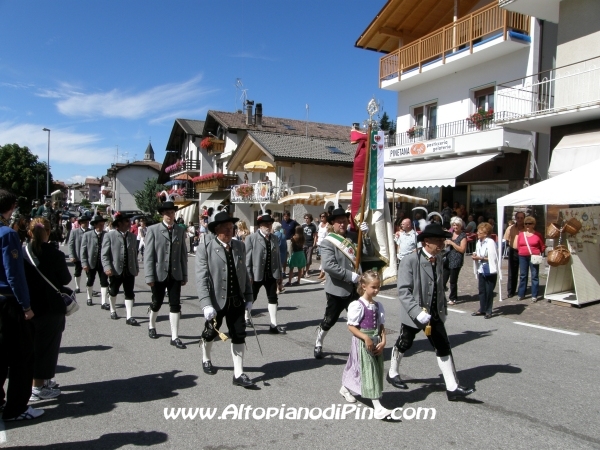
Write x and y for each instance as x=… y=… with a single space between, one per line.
x=239 y=87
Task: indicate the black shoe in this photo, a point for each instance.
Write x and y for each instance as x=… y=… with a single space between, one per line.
x=510 y=295
x=243 y=381
x=248 y=324
x=78 y=291
x=396 y=381
x=318 y=352
x=113 y=315
x=177 y=343
x=152 y=333
x=89 y=302
x=458 y=393
x=208 y=368
x=132 y=321
x=105 y=306
x=276 y=330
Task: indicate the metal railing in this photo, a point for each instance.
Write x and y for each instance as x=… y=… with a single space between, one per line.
x=459 y=35
x=573 y=86
x=258 y=192
x=444 y=130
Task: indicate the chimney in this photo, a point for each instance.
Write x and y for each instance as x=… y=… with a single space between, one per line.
x=258 y=115
x=249 y=104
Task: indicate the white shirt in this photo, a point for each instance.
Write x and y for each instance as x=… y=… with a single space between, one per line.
x=321 y=233
x=486 y=249
x=356 y=311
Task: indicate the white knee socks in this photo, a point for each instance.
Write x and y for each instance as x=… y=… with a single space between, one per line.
x=206 y=348
x=237 y=352
x=321 y=333
x=246 y=315
x=113 y=303
x=273 y=313
x=89 y=292
x=77 y=281
x=152 y=318
x=104 y=293
x=174 y=319
x=447 y=367
x=129 y=308
x=395 y=362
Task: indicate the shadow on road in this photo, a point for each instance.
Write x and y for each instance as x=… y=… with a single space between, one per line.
x=281 y=369
x=110 y=441
x=84 y=349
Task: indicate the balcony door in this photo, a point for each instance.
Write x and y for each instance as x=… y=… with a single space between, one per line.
x=425 y=121
x=432 y=121
x=484 y=99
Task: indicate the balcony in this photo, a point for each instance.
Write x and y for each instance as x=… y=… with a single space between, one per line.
x=481 y=36
x=258 y=193
x=214 y=182
x=182 y=167
x=561 y=96
x=542 y=9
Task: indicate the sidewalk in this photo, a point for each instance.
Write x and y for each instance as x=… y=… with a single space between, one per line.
x=555 y=314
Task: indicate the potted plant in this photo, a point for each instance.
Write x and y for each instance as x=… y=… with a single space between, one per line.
x=414 y=131
x=481 y=118
x=206 y=143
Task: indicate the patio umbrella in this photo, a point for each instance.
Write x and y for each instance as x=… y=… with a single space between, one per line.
x=391 y=197
x=183 y=177
x=259 y=166
x=305 y=198
x=171 y=183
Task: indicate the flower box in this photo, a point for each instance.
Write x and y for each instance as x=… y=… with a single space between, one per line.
x=213 y=182
x=415 y=131
x=212 y=145
x=482 y=118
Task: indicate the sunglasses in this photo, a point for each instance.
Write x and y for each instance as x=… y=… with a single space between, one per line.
x=529 y=223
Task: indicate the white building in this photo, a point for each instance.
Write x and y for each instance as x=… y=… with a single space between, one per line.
x=445 y=64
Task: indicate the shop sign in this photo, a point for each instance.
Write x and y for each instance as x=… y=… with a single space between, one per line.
x=417 y=149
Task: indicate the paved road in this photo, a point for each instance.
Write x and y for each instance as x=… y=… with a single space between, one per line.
x=535 y=388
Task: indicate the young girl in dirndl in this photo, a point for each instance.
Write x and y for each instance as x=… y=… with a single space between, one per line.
x=363 y=374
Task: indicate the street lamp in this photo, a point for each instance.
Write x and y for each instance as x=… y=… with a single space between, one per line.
x=48 y=165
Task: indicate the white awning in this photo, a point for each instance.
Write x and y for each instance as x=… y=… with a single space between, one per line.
x=574 y=151
x=216 y=198
x=441 y=172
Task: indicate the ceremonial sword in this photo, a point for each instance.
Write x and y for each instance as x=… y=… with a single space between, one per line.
x=255 y=334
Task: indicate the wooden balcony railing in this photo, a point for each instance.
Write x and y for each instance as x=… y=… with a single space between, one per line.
x=452 y=38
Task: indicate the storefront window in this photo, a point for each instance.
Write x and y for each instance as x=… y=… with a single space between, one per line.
x=483 y=198
x=432 y=194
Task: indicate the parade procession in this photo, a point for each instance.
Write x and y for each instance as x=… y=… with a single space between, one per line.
x=314 y=267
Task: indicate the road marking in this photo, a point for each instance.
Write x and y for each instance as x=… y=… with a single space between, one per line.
x=457 y=310
x=546 y=328
x=387 y=296
x=310 y=281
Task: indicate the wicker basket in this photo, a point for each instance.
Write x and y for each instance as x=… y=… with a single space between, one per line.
x=559 y=256
x=553 y=231
x=572 y=226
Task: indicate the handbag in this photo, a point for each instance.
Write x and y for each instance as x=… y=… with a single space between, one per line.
x=535 y=259
x=67 y=294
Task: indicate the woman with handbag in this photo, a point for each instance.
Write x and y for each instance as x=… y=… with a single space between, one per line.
x=454 y=258
x=485 y=266
x=531 y=247
x=46 y=272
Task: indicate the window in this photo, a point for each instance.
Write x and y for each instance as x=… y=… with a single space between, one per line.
x=484 y=99
x=425 y=121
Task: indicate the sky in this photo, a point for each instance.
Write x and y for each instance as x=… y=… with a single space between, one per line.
x=108 y=77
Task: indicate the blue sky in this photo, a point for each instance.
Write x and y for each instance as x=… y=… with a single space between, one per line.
x=118 y=73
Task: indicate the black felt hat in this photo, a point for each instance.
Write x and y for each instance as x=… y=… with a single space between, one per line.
x=337 y=212
x=222 y=217
x=266 y=218
x=166 y=206
x=96 y=219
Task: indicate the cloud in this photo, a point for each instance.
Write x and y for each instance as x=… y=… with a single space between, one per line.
x=116 y=103
x=78 y=178
x=171 y=116
x=66 y=146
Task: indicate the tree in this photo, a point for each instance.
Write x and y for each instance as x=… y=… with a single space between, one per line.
x=386 y=125
x=85 y=203
x=22 y=173
x=146 y=199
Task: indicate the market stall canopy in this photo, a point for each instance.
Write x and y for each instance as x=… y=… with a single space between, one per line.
x=259 y=166
x=442 y=172
x=397 y=197
x=574 y=151
x=305 y=198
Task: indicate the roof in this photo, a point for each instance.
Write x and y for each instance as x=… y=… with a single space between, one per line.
x=183 y=127
x=409 y=20
x=91 y=180
x=237 y=121
x=114 y=168
x=285 y=147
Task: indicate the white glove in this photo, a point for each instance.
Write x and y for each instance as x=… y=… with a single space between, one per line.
x=209 y=312
x=424 y=318
x=364 y=227
x=355 y=277
x=248 y=306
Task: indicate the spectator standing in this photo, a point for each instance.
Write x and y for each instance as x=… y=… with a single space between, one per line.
x=446 y=215
x=191 y=234
x=297 y=258
x=310 y=240
x=16 y=345
x=242 y=231
x=277 y=231
x=288 y=225
x=457 y=246
x=47 y=304
x=141 y=236
x=530 y=242
x=485 y=266
x=511 y=237
x=322 y=232
x=406 y=240
x=471 y=225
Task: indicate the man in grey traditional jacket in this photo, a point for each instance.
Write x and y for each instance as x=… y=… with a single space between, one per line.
x=225 y=292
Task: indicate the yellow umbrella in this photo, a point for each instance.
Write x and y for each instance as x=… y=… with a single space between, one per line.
x=259 y=166
x=304 y=198
x=395 y=197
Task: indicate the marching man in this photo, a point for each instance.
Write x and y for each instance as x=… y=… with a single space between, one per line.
x=119 y=261
x=74 y=243
x=165 y=267
x=423 y=307
x=338 y=253
x=264 y=267
x=91 y=246
x=225 y=291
